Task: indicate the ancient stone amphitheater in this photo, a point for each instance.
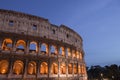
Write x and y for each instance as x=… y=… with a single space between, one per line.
x=31 y=48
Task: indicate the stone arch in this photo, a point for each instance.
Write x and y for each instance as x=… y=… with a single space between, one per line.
x=62 y=51
x=44 y=48
x=44 y=68
x=53 y=49
x=31 y=68
x=54 y=68
x=70 y=68
x=7 y=44
x=18 y=67
x=33 y=47
x=63 y=68
x=4 y=64
x=68 y=52
x=75 y=68
x=21 y=45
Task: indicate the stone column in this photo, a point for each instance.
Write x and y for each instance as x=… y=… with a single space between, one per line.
x=73 y=69
x=67 y=69
x=14 y=45
x=27 y=46
x=48 y=48
x=0 y=44
x=59 y=69
x=39 y=48
x=25 y=68
x=10 y=68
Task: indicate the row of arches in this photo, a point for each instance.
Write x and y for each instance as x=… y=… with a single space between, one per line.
x=18 y=68
x=34 y=47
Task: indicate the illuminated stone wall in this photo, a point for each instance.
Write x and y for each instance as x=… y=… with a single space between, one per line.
x=32 y=47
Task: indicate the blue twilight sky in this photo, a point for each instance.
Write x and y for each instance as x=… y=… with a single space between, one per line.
x=97 y=21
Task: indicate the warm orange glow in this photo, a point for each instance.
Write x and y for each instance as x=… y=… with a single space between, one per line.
x=63 y=68
x=80 y=56
x=69 y=53
x=44 y=68
x=77 y=55
x=75 y=69
x=18 y=67
x=32 y=67
x=7 y=44
x=54 y=68
x=70 y=69
x=4 y=66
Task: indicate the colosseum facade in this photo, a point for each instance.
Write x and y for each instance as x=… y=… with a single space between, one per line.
x=31 y=48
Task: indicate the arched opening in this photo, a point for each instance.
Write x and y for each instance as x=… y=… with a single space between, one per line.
x=77 y=55
x=75 y=68
x=82 y=69
x=33 y=47
x=18 y=67
x=7 y=44
x=21 y=45
x=69 y=53
x=52 y=50
x=4 y=64
x=70 y=69
x=62 y=51
x=54 y=68
x=31 y=68
x=44 y=48
x=44 y=68
x=63 y=68
x=80 y=56
x=73 y=53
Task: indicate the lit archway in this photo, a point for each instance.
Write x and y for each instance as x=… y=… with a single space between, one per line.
x=77 y=54
x=33 y=47
x=31 y=68
x=44 y=68
x=18 y=67
x=54 y=68
x=7 y=44
x=80 y=56
x=75 y=68
x=21 y=45
x=4 y=64
x=68 y=52
x=70 y=68
x=63 y=68
x=73 y=54
x=62 y=51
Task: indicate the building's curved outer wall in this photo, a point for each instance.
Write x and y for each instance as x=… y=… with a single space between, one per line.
x=22 y=28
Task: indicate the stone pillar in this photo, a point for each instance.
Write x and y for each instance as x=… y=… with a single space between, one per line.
x=14 y=45
x=48 y=48
x=73 y=69
x=49 y=68
x=39 y=48
x=25 y=69
x=10 y=68
x=59 y=70
x=27 y=46
x=0 y=44
x=67 y=69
